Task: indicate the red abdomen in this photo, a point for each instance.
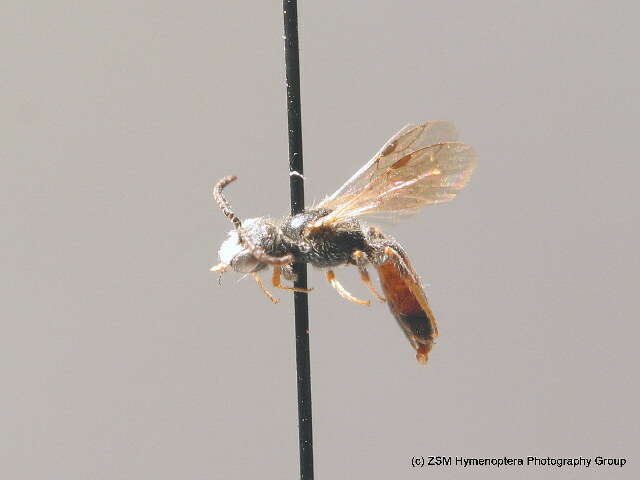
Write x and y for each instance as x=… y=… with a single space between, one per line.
x=409 y=305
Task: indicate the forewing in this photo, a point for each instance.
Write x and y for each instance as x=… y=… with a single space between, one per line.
x=426 y=176
x=407 y=140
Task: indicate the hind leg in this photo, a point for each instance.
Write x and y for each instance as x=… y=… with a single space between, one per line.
x=331 y=277
x=361 y=260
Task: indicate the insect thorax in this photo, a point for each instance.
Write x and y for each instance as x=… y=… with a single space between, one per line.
x=325 y=246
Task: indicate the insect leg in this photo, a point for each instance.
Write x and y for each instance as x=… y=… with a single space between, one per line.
x=275 y=279
x=331 y=277
x=361 y=260
x=258 y=280
x=287 y=272
x=262 y=257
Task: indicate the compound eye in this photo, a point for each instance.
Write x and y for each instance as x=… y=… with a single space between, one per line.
x=245 y=263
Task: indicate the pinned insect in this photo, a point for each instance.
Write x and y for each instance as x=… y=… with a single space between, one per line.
x=420 y=165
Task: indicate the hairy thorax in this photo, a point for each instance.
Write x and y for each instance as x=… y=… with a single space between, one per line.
x=323 y=246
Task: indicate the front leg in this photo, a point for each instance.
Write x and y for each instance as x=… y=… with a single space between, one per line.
x=276 y=281
x=256 y=277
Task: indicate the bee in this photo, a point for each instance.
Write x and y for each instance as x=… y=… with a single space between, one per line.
x=420 y=165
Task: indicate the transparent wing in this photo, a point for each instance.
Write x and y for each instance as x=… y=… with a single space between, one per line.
x=405 y=175
x=409 y=139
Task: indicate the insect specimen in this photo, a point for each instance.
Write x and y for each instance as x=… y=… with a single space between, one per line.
x=420 y=165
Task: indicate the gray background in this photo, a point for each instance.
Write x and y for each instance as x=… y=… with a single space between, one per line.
x=121 y=357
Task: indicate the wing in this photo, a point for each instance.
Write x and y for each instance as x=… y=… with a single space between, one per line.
x=418 y=166
x=409 y=138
